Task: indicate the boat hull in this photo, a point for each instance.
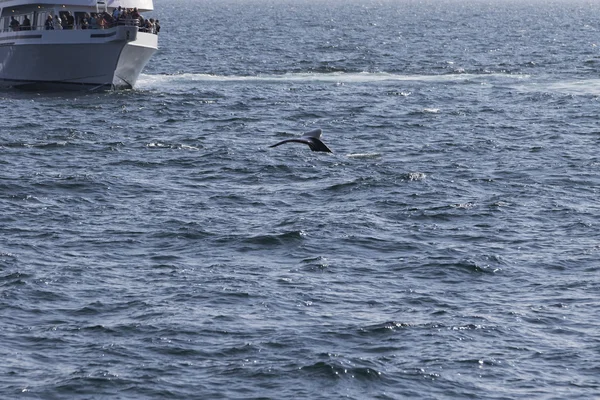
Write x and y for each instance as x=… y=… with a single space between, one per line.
x=86 y=59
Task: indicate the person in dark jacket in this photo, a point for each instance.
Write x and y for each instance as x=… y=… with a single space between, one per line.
x=26 y=24
x=14 y=24
x=49 y=25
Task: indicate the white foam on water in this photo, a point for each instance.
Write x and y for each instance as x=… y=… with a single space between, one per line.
x=364 y=155
x=578 y=88
x=160 y=81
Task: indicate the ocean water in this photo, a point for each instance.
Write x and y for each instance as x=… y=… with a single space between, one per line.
x=152 y=245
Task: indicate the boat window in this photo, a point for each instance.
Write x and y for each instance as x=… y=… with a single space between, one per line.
x=41 y=19
x=101 y=6
x=78 y=17
x=64 y=18
x=21 y=18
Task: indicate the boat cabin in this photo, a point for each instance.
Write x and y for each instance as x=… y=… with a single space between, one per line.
x=34 y=16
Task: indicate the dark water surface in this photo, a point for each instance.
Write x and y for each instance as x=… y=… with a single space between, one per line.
x=152 y=245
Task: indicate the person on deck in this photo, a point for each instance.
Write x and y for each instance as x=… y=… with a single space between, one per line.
x=94 y=21
x=49 y=25
x=57 y=22
x=26 y=25
x=14 y=24
x=70 y=20
x=116 y=13
x=84 y=23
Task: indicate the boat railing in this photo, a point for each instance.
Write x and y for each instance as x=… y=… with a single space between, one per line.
x=32 y=28
x=127 y=22
x=121 y=22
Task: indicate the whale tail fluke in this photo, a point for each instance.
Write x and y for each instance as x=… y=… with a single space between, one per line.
x=311 y=138
x=318 y=145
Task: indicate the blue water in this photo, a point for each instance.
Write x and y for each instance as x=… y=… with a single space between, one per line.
x=152 y=245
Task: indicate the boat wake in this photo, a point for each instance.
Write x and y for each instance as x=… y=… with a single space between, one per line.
x=149 y=82
x=574 y=87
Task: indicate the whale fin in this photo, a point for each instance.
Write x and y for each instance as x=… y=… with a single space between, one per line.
x=317 y=145
x=311 y=138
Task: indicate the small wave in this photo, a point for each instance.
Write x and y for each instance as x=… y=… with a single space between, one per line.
x=490 y=266
x=385 y=327
x=280 y=239
x=416 y=176
x=50 y=145
x=175 y=146
x=14 y=279
x=425 y=111
x=397 y=93
x=315 y=263
x=465 y=206
x=335 y=370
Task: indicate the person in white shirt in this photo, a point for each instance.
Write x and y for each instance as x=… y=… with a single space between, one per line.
x=116 y=13
x=57 y=22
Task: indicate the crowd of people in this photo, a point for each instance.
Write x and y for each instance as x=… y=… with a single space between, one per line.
x=100 y=20
x=131 y=16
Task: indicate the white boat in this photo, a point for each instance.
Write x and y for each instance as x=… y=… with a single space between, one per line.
x=96 y=54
